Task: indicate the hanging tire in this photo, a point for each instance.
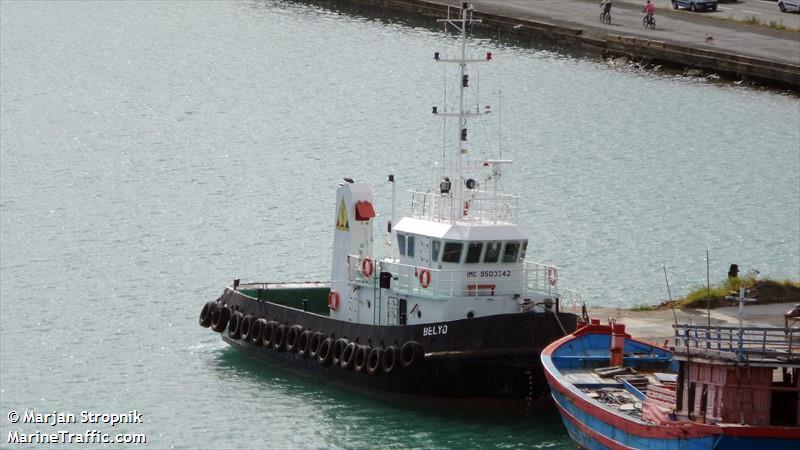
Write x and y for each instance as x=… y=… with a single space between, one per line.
x=219 y=318
x=314 y=344
x=337 y=350
x=246 y=327
x=269 y=334
x=257 y=332
x=360 y=358
x=325 y=352
x=348 y=358
x=234 y=326
x=390 y=363
x=292 y=338
x=303 y=342
x=206 y=313
x=411 y=355
x=279 y=338
x=374 y=362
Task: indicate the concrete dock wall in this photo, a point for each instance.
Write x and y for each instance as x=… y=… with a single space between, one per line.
x=771 y=73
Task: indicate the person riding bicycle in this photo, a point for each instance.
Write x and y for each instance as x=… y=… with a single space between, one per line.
x=650 y=9
x=606 y=6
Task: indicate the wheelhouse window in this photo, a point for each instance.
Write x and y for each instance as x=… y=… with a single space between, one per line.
x=410 y=248
x=401 y=243
x=474 y=250
x=523 y=251
x=511 y=252
x=492 y=252
x=452 y=252
x=436 y=247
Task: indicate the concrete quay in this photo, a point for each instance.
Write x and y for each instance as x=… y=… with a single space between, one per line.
x=736 y=51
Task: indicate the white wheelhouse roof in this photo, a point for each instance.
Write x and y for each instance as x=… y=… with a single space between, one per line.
x=460 y=231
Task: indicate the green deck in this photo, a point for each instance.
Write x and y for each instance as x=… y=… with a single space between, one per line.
x=311 y=297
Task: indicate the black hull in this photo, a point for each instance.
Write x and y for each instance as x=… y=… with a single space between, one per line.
x=493 y=357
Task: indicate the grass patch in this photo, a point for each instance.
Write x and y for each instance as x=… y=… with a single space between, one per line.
x=764 y=291
x=778 y=25
x=752 y=20
x=644 y=308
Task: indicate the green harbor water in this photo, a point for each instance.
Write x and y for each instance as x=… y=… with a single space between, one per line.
x=150 y=152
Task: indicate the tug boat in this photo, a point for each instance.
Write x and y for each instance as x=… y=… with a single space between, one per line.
x=718 y=387
x=453 y=310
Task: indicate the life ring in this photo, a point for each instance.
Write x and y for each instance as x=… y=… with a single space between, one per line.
x=367 y=267
x=424 y=278
x=333 y=300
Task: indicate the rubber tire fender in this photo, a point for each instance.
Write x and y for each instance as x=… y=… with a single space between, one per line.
x=348 y=358
x=206 y=313
x=292 y=337
x=360 y=358
x=219 y=318
x=246 y=327
x=257 y=332
x=303 y=342
x=234 y=326
x=390 y=363
x=411 y=355
x=337 y=350
x=374 y=362
x=325 y=352
x=269 y=334
x=279 y=338
x=314 y=344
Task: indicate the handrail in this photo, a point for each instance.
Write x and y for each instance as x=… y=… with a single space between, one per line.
x=743 y=342
x=444 y=284
x=477 y=207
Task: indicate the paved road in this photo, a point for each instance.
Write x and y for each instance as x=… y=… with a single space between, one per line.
x=681 y=27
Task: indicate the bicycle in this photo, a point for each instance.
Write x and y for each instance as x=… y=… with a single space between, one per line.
x=605 y=17
x=649 y=21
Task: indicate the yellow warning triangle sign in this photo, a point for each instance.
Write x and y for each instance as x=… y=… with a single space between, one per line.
x=341 y=218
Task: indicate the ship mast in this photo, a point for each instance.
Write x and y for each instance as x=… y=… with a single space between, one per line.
x=465 y=19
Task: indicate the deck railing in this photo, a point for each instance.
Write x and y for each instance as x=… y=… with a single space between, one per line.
x=744 y=343
x=437 y=283
x=479 y=207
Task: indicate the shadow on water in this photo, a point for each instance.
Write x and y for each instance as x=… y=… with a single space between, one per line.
x=478 y=422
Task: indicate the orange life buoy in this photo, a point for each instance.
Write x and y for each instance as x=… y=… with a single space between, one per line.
x=424 y=278
x=333 y=300
x=367 y=267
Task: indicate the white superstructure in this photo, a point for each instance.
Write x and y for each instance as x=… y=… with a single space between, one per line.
x=458 y=255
